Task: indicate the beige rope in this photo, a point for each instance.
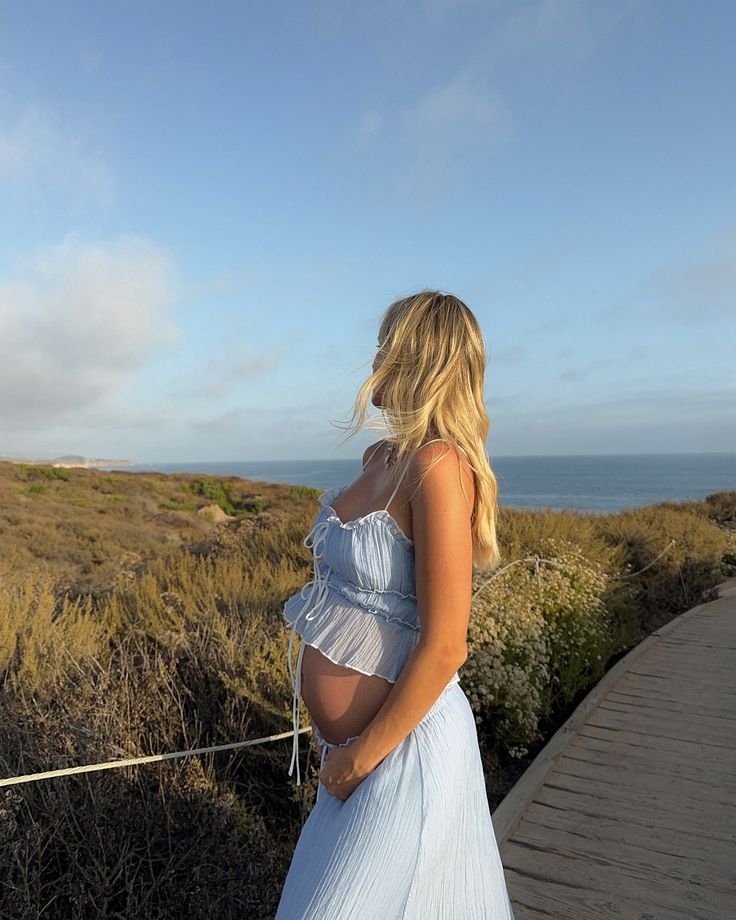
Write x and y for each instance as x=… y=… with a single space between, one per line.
x=537 y=559
x=111 y=764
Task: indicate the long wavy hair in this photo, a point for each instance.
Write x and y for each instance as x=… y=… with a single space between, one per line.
x=431 y=379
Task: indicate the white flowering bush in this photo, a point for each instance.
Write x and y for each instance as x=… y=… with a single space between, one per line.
x=537 y=635
x=573 y=590
x=506 y=672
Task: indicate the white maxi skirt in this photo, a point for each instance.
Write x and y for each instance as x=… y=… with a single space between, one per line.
x=414 y=841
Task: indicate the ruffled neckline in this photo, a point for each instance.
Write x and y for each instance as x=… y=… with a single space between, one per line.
x=329 y=495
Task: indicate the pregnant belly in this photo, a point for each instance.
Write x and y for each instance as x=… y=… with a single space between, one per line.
x=341 y=701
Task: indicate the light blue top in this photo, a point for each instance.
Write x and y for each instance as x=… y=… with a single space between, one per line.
x=360 y=609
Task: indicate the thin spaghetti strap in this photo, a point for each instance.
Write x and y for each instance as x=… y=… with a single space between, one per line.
x=444 y=439
x=396 y=487
x=378 y=447
x=362 y=470
x=398 y=482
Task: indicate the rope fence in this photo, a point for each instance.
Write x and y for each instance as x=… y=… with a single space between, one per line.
x=153 y=758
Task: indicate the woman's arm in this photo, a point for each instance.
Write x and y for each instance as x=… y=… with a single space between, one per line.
x=444 y=566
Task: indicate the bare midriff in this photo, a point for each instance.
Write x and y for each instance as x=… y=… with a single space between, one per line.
x=341 y=701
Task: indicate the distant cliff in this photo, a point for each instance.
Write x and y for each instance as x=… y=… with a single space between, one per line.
x=71 y=460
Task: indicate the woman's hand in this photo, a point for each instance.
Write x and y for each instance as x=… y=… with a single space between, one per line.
x=340 y=775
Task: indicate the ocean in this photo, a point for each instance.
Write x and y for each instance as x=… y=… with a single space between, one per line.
x=596 y=482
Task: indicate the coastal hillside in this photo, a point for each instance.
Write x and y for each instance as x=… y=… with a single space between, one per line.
x=86 y=529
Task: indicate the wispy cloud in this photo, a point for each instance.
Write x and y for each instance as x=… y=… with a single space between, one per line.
x=593 y=370
x=430 y=139
x=700 y=286
x=36 y=151
x=369 y=125
x=90 y=60
x=459 y=110
x=76 y=321
x=434 y=141
x=452 y=115
x=545 y=23
x=221 y=375
x=571 y=27
x=248 y=431
x=694 y=288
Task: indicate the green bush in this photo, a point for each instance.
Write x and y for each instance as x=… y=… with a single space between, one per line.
x=225 y=494
x=256 y=505
x=35 y=488
x=54 y=472
x=305 y=491
x=180 y=506
x=213 y=490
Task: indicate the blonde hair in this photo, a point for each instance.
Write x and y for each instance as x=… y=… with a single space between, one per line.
x=431 y=378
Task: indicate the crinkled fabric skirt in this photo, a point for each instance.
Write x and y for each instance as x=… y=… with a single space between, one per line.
x=414 y=841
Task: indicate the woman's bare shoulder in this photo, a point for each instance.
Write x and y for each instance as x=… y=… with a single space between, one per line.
x=435 y=466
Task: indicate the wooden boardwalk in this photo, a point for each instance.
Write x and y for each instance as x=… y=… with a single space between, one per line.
x=630 y=811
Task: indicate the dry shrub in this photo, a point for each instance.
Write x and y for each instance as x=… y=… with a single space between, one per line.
x=164 y=840
x=43 y=637
x=672 y=578
x=190 y=654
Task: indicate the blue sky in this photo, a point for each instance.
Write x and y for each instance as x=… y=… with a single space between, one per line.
x=207 y=207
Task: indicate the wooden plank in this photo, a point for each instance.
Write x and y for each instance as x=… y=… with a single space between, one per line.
x=539 y=894
x=684 y=707
x=646 y=815
x=701 y=859
x=684 y=640
x=687 y=748
x=657 y=688
x=631 y=801
x=697 y=683
x=654 y=728
x=666 y=765
x=626 y=858
x=718 y=728
x=703 y=671
x=599 y=881
x=637 y=779
x=723 y=721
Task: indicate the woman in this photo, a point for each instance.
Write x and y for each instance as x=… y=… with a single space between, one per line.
x=401 y=826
